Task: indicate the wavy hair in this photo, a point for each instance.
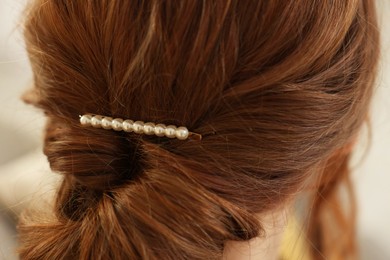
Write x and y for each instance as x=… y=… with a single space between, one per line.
x=278 y=89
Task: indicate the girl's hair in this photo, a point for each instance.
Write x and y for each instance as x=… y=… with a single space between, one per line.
x=278 y=89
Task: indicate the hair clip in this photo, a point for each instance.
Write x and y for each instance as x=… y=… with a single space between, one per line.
x=139 y=127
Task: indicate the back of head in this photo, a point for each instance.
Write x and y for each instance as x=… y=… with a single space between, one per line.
x=276 y=88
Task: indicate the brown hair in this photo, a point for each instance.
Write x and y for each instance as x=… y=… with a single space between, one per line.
x=278 y=89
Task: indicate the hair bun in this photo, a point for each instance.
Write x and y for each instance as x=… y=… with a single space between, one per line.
x=96 y=159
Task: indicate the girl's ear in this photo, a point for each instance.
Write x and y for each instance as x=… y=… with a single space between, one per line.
x=30 y=96
x=348 y=147
x=333 y=166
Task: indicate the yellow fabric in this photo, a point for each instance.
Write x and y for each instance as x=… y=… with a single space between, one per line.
x=294 y=245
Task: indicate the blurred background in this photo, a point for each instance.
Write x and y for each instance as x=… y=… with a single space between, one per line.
x=24 y=171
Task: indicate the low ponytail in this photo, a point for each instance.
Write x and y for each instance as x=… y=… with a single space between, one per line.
x=145 y=219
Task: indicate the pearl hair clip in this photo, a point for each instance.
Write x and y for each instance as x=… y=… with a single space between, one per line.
x=139 y=127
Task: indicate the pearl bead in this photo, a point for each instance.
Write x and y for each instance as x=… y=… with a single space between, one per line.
x=182 y=133
x=127 y=125
x=170 y=131
x=138 y=127
x=159 y=130
x=96 y=121
x=85 y=120
x=106 y=122
x=117 y=124
x=149 y=128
